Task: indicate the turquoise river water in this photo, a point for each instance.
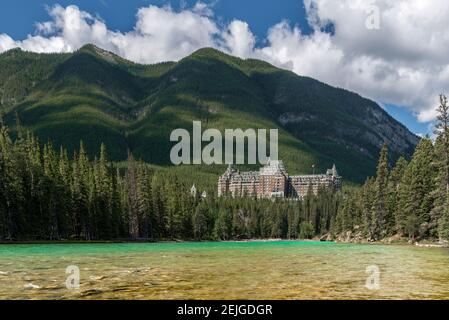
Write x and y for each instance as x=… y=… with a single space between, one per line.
x=228 y=270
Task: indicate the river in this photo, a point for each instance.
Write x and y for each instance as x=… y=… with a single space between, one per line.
x=227 y=270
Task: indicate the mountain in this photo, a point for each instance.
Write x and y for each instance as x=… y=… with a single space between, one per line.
x=96 y=96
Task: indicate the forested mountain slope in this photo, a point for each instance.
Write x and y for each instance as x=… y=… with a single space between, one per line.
x=96 y=96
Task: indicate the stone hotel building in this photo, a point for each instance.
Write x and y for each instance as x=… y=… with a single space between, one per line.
x=273 y=181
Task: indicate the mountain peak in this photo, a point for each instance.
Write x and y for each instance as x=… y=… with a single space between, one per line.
x=212 y=53
x=101 y=53
x=89 y=47
x=244 y=65
x=208 y=51
x=12 y=51
x=99 y=97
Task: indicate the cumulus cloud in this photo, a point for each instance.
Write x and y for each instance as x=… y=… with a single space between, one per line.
x=403 y=62
x=160 y=33
x=238 y=39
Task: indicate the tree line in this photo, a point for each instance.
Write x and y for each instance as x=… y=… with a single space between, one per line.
x=410 y=200
x=49 y=195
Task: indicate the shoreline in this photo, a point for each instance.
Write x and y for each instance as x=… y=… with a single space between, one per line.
x=402 y=242
x=423 y=244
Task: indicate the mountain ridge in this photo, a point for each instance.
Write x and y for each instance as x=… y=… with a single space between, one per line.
x=102 y=97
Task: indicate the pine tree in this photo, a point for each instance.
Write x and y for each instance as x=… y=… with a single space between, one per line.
x=293 y=223
x=63 y=182
x=199 y=222
x=440 y=212
x=420 y=201
x=158 y=218
x=394 y=185
x=394 y=181
x=344 y=220
x=144 y=195
x=49 y=192
x=133 y=197
x=173 y=219
x=442 y=131
x=368 y=190
x=222 y=228
x=403 y=194
x=6 y=184
x=103 y=194
x=117 y=228
x=306 y=230
x=379 y=206
x=80 y=195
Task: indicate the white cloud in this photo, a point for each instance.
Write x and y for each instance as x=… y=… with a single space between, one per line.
x=203 y=9
x=160 y=34
x=404 y=62
x=238 y=39
x=6 y=42
x=306 y=55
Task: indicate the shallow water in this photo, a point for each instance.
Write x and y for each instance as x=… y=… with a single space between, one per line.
x=248 y=270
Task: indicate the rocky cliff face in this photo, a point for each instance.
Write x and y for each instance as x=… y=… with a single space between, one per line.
x=323 y=116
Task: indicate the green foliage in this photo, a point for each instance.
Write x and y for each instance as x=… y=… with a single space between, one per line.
x=306 y=230
x=379 y=214
x=48 y=196
x=130 y=110
x=410 y=200
x=98 y=97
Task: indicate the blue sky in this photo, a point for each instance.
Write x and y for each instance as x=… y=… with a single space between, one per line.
x=120 y=15
x=18 y=19
x=409 y=120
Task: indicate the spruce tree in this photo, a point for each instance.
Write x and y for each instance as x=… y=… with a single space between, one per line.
x=158 y=218
x=368 y=190
x=222 y=225
x=6 y=184
x=133 y=197
x=50 y=193
x=420 y=199
x=379 y=206
x=394 y=185
x=199 y=222
x=440 y=212
x=402 y=211
x=63 y=182
x=144 y=196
